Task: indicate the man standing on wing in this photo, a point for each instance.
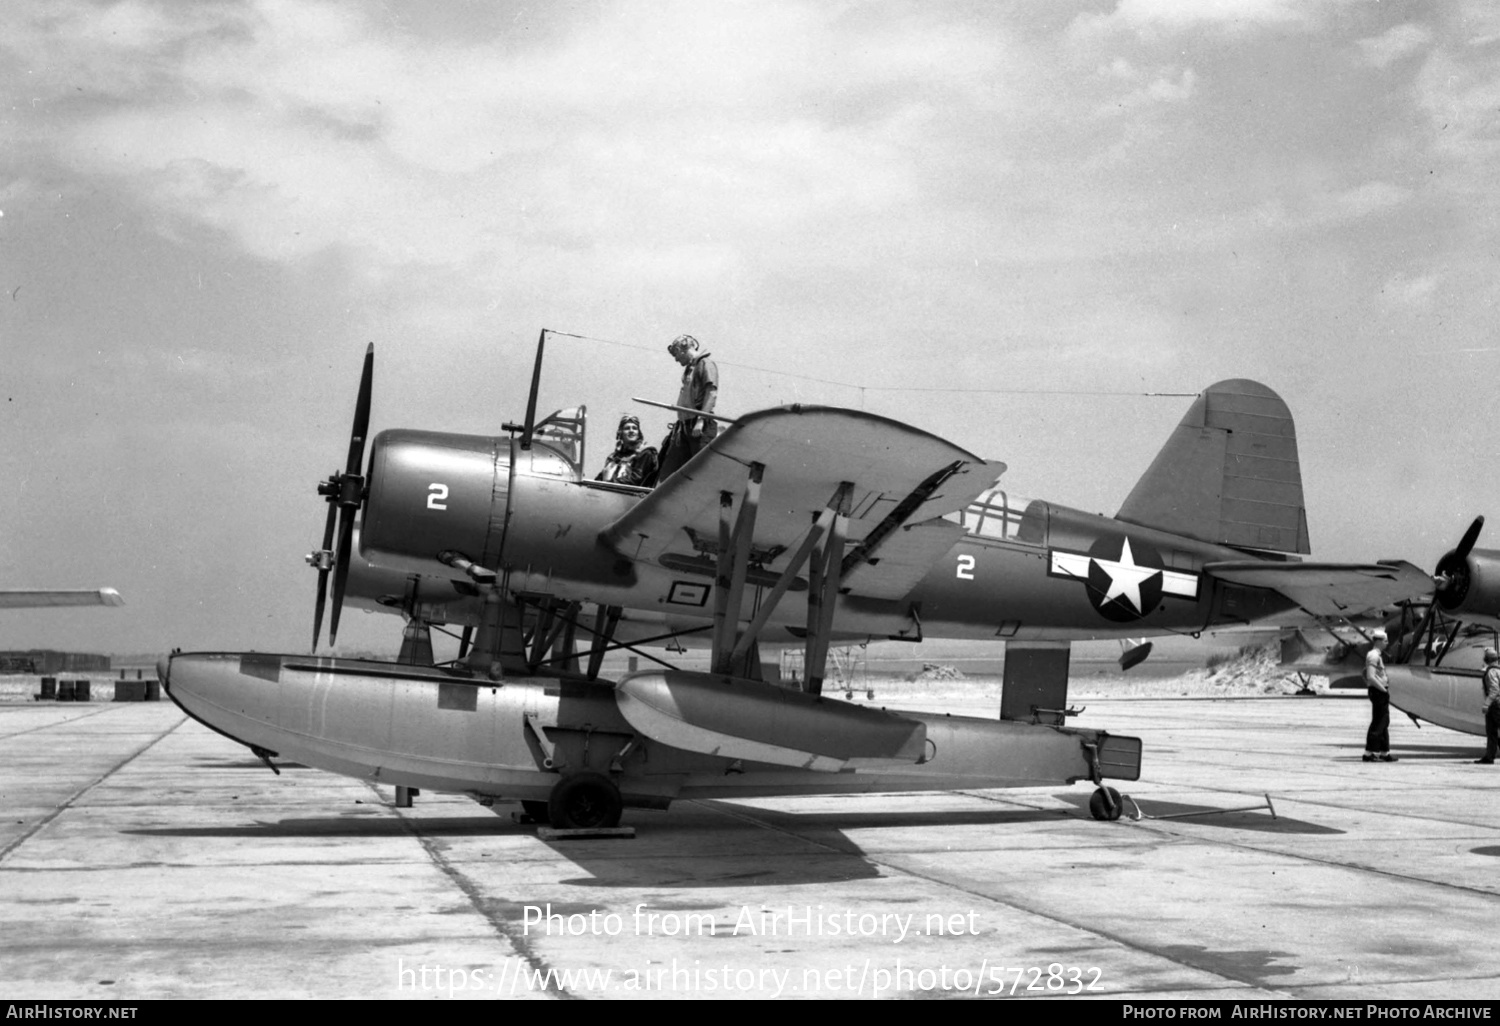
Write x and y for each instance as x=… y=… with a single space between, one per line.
x=700 y=390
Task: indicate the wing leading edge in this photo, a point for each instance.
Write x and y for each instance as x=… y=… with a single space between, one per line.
x=18 y=598
x=901 y=481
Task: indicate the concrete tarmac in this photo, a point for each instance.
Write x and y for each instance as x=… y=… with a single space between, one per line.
x=143 y=856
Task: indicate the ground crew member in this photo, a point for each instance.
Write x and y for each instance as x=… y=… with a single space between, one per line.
x=1378 y=738
x=699 y=392
x=1491 y=706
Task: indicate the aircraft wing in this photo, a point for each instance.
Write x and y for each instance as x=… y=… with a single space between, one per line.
x=1329 y=589
x=16 y=598
x=903 y=480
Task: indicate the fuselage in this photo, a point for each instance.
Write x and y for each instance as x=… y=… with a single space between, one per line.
x=1025 y=569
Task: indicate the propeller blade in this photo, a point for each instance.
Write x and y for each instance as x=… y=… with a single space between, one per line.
x=345 y=493
x=323 y=575
x=361 y=414
x=1470 y=537
x=341 y=570
x=1451 y=574
x=318 y=607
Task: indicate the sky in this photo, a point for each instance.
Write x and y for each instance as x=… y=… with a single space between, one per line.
x=1011 y=224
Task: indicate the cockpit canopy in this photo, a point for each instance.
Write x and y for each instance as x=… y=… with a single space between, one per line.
x=1004 y=516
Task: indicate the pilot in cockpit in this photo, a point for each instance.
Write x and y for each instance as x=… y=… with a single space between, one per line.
x=633 y=462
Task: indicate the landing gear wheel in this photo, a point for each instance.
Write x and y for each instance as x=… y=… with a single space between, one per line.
x=1105 y=805
x=584 y=801
x=536 y=810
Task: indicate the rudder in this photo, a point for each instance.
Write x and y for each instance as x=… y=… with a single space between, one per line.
x=1228 y=474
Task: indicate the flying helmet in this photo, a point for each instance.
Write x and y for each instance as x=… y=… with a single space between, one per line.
x=628 y=420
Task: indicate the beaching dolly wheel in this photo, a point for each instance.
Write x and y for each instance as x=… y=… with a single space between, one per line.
x=584 y=801
x=1105 y=804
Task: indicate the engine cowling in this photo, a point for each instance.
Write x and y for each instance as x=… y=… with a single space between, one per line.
x=1469 y=585
x=430 y=492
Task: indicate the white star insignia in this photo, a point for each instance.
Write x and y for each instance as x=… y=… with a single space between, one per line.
x=1126 y=577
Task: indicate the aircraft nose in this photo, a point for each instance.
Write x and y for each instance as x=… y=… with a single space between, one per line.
x=163 y=665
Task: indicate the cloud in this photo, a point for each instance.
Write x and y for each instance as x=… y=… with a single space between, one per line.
x=1310 y=207
x=1460 y=93
x=1409 y=292
x=290 y=128
x=1169 y=87
x=1363 y=200
x=1480 y=21
x=1162 y=17
x=1393 y=44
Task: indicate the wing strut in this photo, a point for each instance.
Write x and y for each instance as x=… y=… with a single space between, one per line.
x=823 y=590
x=606 y=620
x=734 y=562
x=768 y=605
x=823 y=544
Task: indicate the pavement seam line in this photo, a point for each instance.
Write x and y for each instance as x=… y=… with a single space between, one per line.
x=76 y=795
x=502 y=927
x=1325 y=804
x=1244 y=846
x=59 y=723
x=1172 y=834
x=991 y=899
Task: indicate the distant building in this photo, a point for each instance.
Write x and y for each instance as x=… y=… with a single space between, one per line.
x=41 y=660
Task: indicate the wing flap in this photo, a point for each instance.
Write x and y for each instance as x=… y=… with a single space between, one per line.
x=1329 y=589
x=901 y=476
x=904 y=559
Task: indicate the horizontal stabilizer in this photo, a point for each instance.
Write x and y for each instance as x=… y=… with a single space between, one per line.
x=1228 y=474
x=758 y=722
x=17 y=598
x=1329 y=589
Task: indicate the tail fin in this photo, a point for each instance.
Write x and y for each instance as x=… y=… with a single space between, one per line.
x=1228 y=474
